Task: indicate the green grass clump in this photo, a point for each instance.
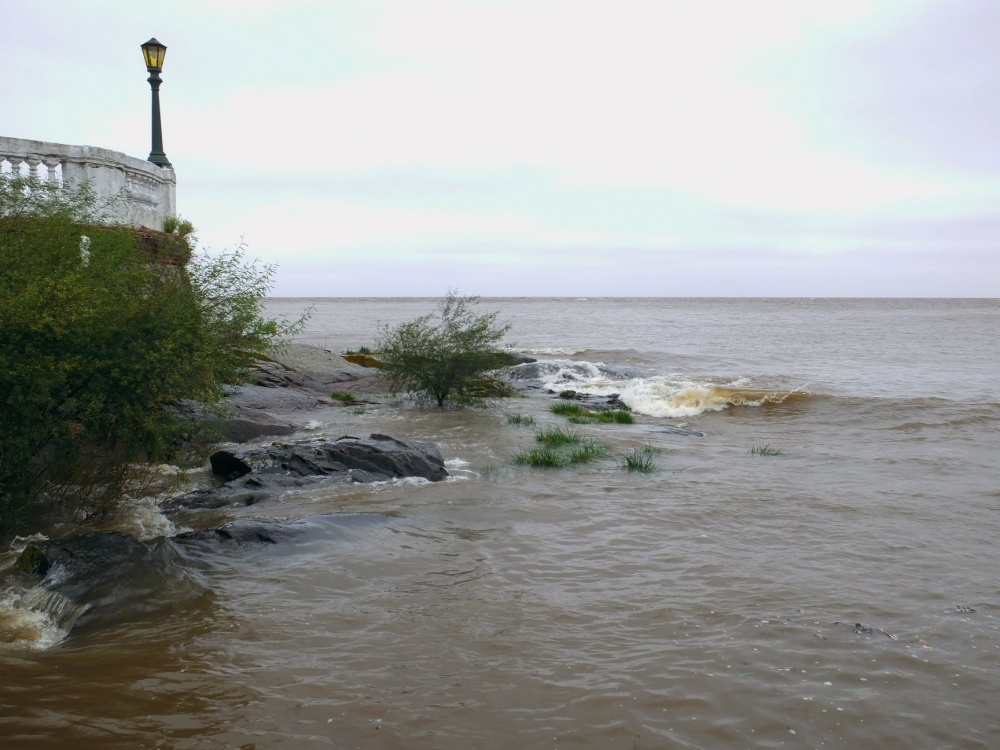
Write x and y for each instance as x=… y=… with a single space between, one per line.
x=567 y=410
x=586 y=453
x=579 y=415
x=492 y=472
x=358 y=410
x=555 y=436
x=521 y=420
x=764 y=450
x=618 y=416
x=640 y=459
x=347 y=398
x=543 y=457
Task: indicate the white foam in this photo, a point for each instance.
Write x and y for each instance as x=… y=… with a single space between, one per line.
x=31 y=621
x=143 y=519
x=552 y=351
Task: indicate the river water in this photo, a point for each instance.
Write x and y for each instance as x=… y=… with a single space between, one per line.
x=819 y=568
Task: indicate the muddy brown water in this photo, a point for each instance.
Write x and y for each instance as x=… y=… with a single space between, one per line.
x=843 y=593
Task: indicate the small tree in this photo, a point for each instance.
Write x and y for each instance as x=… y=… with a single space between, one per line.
x=451 y=354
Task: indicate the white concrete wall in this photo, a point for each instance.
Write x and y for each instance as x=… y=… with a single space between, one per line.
x=147 y=193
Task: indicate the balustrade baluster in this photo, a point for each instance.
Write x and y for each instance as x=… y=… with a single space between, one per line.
x=51 y=162
x=34 y=167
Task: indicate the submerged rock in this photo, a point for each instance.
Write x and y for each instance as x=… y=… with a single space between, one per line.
x=254 y=474
x=104 y=578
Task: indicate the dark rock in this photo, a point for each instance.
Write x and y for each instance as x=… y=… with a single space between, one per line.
x=226 y=464
x=520 y=359
x=240 y=533
x=679 y=431
x=568 y=394
x=255 y=474
x=105 y=577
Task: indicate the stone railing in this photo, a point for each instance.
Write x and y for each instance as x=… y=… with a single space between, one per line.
x=147 y=193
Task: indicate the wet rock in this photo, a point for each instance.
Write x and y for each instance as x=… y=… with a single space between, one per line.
x=251 y=475
x=364 y=360
x=240 y=533
x=679 y=431
x=308 y=367
x=105 y=577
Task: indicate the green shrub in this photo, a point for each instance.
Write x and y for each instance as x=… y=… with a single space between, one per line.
x=347 y=398
x=451 y=354
x=98 y=346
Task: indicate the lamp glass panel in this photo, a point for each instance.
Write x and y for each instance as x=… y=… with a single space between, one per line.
x=154 y=54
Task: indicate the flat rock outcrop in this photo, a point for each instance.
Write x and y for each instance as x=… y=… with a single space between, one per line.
x=286 y=388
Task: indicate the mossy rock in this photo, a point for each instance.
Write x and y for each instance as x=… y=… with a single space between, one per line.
x=365 y=360
x=33 y=561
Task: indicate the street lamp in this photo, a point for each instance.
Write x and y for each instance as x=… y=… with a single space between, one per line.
x=154 y=52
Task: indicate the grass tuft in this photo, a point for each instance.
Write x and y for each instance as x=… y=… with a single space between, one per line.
x=491 y=472
x=641 y=459
x=543 y=457
x=618 y=416
x=521 y=420
x=586 y=453
x=579 y=415
x=347 y=398
x=567 y=410
x=764 y=450
x=555 y=436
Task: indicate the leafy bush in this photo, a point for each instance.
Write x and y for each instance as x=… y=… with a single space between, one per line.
x=98 y=346
x=451 y=354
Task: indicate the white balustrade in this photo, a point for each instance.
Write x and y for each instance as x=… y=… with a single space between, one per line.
x=141 y=193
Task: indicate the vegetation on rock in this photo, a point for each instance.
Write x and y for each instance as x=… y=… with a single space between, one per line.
x=99 y=344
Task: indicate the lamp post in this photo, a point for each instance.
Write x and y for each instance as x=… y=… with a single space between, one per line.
x=154 y=52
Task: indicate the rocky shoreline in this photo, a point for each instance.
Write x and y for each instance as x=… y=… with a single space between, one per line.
x=100 y=577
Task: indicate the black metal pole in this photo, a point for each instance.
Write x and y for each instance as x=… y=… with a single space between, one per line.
x=156 y=155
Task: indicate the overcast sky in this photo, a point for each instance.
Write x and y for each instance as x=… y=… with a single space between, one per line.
x=550 y=147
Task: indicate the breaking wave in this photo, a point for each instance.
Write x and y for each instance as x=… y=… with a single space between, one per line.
x=653 y=394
